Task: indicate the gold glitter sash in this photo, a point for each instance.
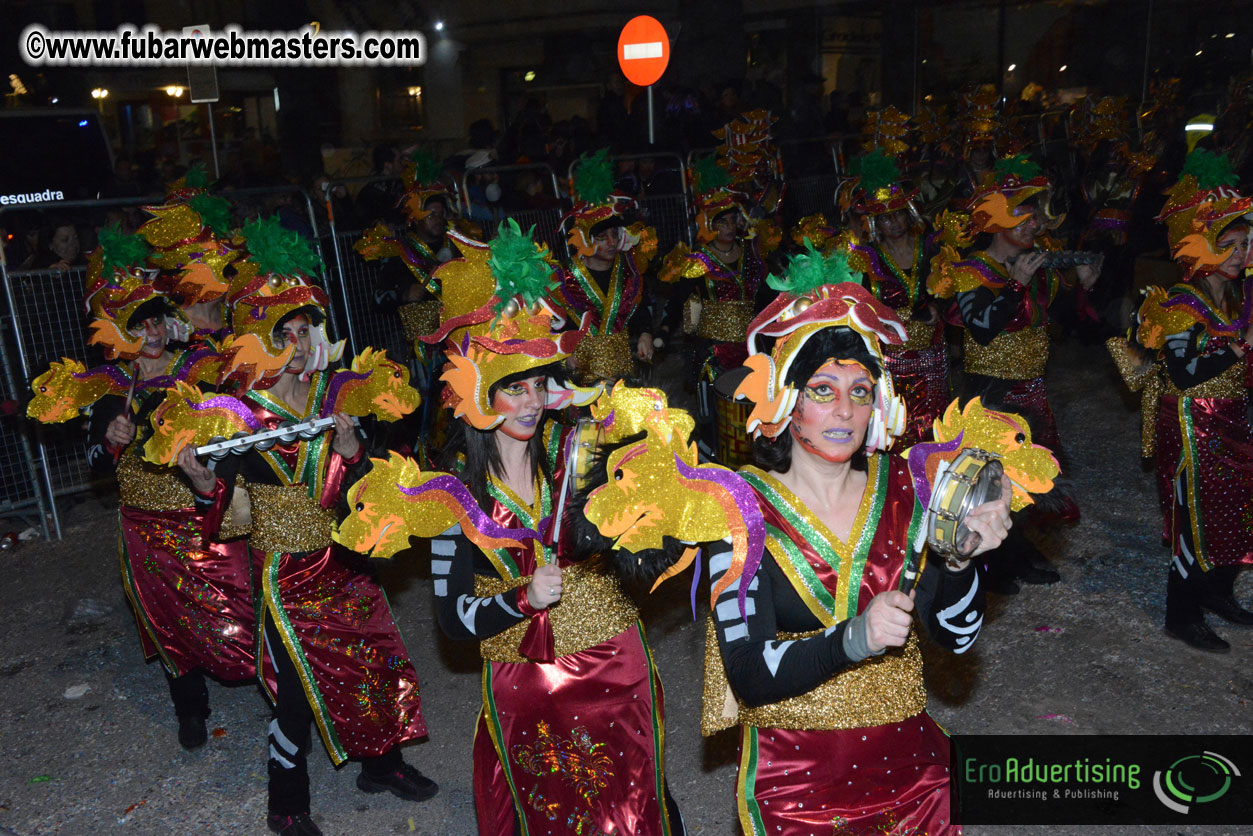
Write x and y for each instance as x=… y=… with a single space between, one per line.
x=593 y=609
x=1012 y=355
x=1228 y=385
x=918 y=335
x=604 y=356
x=149 y=487
x=286 y=519
x=725 y=322
x=874 y=692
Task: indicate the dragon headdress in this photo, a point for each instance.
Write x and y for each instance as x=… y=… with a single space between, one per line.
x=119 y=289
x=498 y=320
x=1016 y=180
x=818 y=292
x=1198 y=208
x=596 y=205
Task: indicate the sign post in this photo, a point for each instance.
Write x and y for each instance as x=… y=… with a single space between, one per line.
x=643 y=54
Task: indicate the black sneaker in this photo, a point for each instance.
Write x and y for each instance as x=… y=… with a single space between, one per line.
x=1197 y=634
x=406 y=782
x=192 y=733
x=300 y=824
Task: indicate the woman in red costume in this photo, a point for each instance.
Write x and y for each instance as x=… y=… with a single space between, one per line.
x=835 y=732
x=895 y=262
x=331 y=651
x=1201 y=331
x=1003 y=291
x=190 y=588
x=570 y=738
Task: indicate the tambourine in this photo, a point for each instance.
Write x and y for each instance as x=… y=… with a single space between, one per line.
x=580 y=451
x=967 y=482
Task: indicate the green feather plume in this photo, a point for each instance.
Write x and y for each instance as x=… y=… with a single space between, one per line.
x=280 y=251
x=593 y=178
x=1210 y=170
x=810 y=269
x=197 y=177
x=119 y=251
x=426 y=168
x=1019 y=166
x=518 y=265
x=709 y=175
x=876 y=170
x=214 y=212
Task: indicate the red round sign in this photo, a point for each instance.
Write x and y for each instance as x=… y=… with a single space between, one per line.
x=643 y=50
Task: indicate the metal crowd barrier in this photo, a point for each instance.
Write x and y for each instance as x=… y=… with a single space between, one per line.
x=48 y=321
x=667 y=212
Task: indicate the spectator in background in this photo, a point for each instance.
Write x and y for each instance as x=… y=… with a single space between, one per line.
x=377 y=200
x=338 y=204
x=58 y=248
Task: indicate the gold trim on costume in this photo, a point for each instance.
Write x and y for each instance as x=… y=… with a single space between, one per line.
x=1012 y=355
x=593 y=609
x=725 y=322
x=286 y=519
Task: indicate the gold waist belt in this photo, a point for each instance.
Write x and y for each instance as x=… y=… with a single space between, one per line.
x=1229 y=384
x=593 y=609
x=419 y=318
x=150 y=487
x=726 y=322
x=286 y=519
x=874 y=692
x=1012 y=355
x=604 y=356
x=918 y=335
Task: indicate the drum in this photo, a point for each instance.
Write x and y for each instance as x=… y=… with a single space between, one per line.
x=967 y=482
x=734 y=444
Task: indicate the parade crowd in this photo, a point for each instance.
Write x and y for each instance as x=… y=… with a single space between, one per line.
x=855 y=374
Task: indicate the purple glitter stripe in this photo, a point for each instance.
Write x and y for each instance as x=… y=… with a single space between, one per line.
x=917 y=457
x=877 y=264
x=474 y=515
x=713 y=266
x=746 y=502
x=338 y=381
x=1110 y=223
x=230 y=404
x=1214 y=325
x=112 y=372
x=984 y=269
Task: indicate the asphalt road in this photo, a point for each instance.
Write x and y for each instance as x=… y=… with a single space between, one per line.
x=89 y=739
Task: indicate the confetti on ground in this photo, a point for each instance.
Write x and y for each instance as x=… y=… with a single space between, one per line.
x=75 y=691
x=219 y=733
x=412 y=826
x=135 y=806
x=40 y=779
x=1061 y=718
x=1046 y=629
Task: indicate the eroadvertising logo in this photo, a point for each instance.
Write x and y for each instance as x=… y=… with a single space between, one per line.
x=1194 y=779
x=1097 y=780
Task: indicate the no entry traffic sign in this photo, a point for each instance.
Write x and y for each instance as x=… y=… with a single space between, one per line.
x=643 y=50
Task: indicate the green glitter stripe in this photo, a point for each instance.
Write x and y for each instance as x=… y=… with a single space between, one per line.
x=489 y=705
x=616 y=282
x=1190 y=465
x=132 y=592
x=554 y=443
x=748 y=781
x=808 y=576
x=862 y=550
x=659 y=742
x=913 y=287
x=504 y=563
x=794 y=518
x=915 y=522
x=523 y=514
x=320 y=712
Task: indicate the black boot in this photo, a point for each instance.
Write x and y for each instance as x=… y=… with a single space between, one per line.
x=1028 y=563
x=1220 y=599
x=190 y=694
x=1184 y=619
x=389 y=773
x=300 y=824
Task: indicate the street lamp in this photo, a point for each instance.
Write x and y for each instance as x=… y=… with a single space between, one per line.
x=174 y=91
x=100 y=93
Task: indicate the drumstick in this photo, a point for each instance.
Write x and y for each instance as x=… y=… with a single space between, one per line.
x=130 y=398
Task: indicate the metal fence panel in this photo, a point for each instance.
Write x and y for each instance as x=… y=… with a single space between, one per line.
x=808 y=195
x=22 y=490
x=368 y=324
x=668 y=215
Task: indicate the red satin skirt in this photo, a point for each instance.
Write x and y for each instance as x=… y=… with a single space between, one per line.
x=193 y=605
x=338 y=629
x=1207 y=444
x=890 y=779
x=573 y=747
x=921 y=379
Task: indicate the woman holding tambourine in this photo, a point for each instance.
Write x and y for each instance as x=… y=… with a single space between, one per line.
x=823 y=669
x=1003 y=292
